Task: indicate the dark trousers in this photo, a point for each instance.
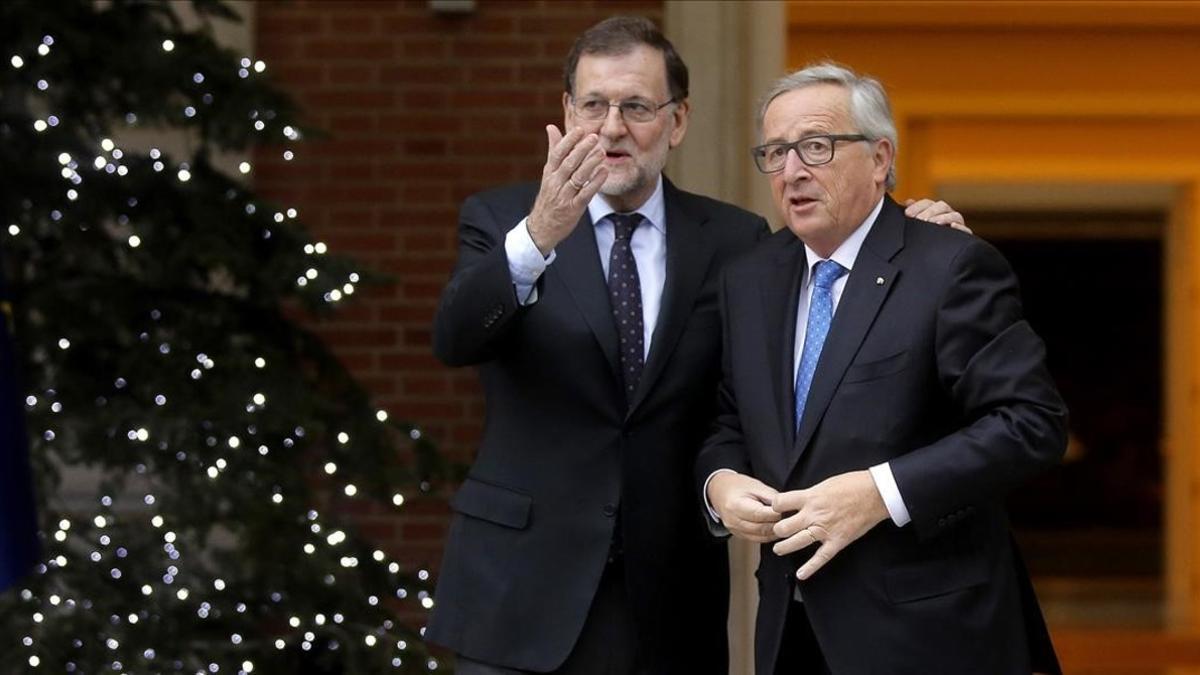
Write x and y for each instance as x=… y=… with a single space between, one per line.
x=606 y=646
x=799 y=653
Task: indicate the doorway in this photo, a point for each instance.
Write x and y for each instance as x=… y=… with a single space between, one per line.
x=1091 y=529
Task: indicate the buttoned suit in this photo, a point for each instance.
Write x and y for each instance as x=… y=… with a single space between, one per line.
x=929 y=366
x=564 y=458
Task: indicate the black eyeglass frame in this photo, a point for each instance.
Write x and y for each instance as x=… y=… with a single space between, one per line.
x=759 y=152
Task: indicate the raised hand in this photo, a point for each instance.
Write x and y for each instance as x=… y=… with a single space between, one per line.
x=573 y=174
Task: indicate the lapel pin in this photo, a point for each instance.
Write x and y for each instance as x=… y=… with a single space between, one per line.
x=878 y=281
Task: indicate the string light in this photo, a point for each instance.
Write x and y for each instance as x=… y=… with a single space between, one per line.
x=109 y=544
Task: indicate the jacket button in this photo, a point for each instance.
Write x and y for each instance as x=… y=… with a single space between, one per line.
x=610 y=510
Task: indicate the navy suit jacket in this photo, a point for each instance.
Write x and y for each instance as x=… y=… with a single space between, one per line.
x=928 y=365
x=562 y=455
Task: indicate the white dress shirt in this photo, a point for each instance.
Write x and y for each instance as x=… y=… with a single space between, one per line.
x=649 y=243
x=844 y=255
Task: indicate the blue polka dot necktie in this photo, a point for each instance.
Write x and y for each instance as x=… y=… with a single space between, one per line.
x=820 y=315
x=625 y=295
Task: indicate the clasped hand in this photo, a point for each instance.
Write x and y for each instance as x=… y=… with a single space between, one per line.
x=833 y=513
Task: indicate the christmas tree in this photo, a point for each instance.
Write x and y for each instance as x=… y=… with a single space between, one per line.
x=157 y=306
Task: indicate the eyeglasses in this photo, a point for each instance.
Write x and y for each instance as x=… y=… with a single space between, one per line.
x=632 y=109
x=813 y=151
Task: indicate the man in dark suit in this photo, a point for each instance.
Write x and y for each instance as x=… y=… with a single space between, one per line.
x=588 y=302
x=881 y=392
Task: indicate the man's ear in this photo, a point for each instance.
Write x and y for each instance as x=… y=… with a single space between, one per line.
x=885 y=155
x=680 y=117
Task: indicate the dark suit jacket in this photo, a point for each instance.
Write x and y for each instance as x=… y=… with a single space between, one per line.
x=930 y=366
x=561 y=454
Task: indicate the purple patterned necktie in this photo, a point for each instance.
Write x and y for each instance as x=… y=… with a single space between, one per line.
x=625 y=295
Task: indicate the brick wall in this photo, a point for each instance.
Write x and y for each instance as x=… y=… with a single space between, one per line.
x=421 y=110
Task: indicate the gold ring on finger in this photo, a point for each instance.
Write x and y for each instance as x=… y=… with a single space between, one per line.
x=577 y=186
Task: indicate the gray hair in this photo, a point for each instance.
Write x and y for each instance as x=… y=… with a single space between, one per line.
x=869 y=106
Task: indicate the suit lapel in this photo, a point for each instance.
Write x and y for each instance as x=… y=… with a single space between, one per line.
x=856 y=311
x=688 y=258
x=578 y=265
x=781 y=285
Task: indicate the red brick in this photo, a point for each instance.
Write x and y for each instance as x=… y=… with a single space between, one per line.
x=491 y=75
x=414 y=123
x=421 y=289
x=425 y=169
x=361 y=241
x=491 y=49
x=425 y=385
x=349 y=75
x=349 y=172
x=352 y=27
x=427 y=192
x=503 y=98
x=349 y=50
x=428 y=267
x=429 y=73
x=362 y=337
x=419 y=336
x=291 y=26
x=427 y=99
x=423 y=531
x=404 y=314
x=408 y=362
x=498 y=146
x=344 y=123
x=431 y=409
x=551 y=71
x=434 y=49
x=353 y=193
x=353 y=99
x=425 y=147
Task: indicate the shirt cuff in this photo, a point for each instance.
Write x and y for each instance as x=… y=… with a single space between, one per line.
x=525 y=262
x=712 y=513
x=885 y=482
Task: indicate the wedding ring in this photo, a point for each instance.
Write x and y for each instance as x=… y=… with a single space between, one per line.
x=577 y=186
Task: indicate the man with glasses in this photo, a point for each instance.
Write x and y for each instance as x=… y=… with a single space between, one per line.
x=881 y=392
x=588 y=302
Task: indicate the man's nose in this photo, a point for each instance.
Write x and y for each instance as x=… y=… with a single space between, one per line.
x=613 y=125
x=794 y=168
